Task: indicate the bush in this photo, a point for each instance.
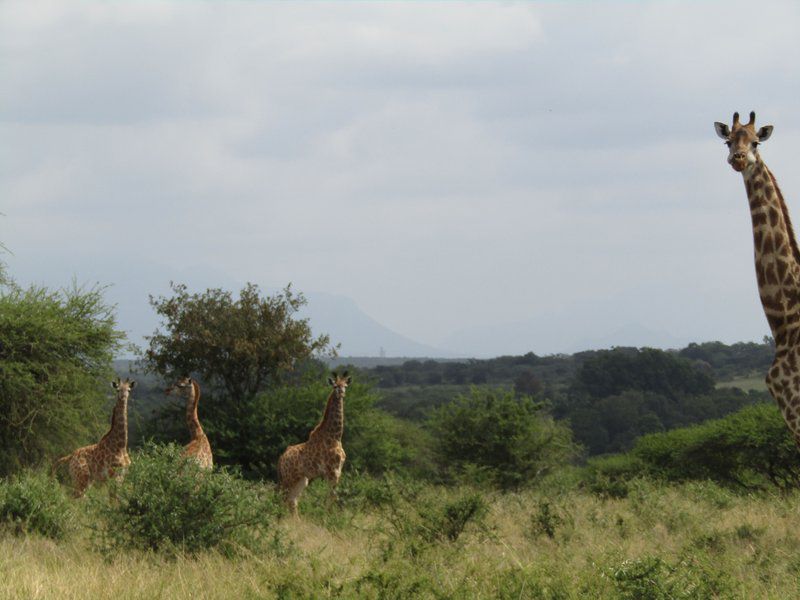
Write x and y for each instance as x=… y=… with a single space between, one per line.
x=750 y=448
x=55 y=363
x=610 y=476
x=511 y=438
x=33 y=502
x=425 y=515
x=167 y=503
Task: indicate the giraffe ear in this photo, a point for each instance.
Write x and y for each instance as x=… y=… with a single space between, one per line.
x=349 y=379
x=132 y=384
x=330 y=380
x=722 y=130
x=764 y=133
x=114 y=384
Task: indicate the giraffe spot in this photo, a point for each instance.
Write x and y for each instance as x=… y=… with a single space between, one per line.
x=759 y=219
x=758 y=183
x=773 y=217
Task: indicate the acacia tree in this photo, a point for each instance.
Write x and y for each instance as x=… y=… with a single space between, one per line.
x=56 y=350
x=236 y=347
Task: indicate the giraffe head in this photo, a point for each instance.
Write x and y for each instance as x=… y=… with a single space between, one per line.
x=339 y=383
x=182 y=387
x=123 y=387
x=742 y=139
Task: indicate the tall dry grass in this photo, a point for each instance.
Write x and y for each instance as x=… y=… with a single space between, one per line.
x=690 y=541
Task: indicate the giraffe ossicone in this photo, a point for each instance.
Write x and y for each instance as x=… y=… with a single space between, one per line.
x=322 y=455
x=108 y=457
x=777 y=261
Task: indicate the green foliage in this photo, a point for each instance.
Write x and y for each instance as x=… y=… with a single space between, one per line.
x=166 y=503
x=613 y=423
x=512 y=438
x=244 y=352
x=55 y=358
x=728 y=361
x=33 y=502
x=237 y=347
x=611 y=372
x=652 y=578
x=418 y=516
x=610 y=476
x=546 y=520
x=751 y=448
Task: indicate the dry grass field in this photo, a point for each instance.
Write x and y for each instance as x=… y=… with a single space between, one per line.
x=689 y=541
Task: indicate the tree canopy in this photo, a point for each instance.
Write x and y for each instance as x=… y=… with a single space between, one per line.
x=55 y=363
x=237 y=346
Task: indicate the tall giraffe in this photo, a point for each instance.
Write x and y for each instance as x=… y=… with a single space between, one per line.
x=198 y=447
x=108 y=457
x=777 y=259
x=322 y=455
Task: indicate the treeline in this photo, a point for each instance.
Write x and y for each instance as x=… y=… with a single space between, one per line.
x=608 y=397
x=721 y=361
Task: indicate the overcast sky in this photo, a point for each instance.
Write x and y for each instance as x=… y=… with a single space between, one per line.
x=465 y=172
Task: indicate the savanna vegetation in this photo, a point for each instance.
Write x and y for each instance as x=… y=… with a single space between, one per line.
x=626 y=473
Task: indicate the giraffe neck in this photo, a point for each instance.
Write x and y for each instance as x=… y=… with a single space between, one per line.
x=117 y=436
x=777 y=257
x=192 y=421
x=332 y=425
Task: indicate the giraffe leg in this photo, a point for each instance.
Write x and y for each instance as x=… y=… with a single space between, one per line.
x=79 y=471
x=332 y=478
x=293 y=494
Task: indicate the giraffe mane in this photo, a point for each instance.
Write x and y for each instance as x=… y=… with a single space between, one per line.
x=785 y=211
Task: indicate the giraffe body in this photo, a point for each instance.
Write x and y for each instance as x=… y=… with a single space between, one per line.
x=198 y=447
x=777 y=262
x=322 y=455
x=108 y=457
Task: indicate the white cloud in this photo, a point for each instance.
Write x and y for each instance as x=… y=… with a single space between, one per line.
x=444 y=164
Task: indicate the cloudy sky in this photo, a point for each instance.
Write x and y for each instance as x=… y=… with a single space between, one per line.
x=483 y=178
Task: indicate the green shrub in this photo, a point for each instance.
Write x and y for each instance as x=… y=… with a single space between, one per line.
x=652 y=578
x=33 y=502
x=429 y=517
x=546 y=520
x=512 y=438
x=610 y=476
x=56 y=350
x=749 y=448
x=167 y=503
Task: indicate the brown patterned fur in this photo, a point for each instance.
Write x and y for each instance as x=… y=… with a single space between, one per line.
x=322 y=455
x=198 y=447
x=777 y=261
x=108 y=457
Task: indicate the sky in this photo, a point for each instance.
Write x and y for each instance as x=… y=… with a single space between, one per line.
x=483 y=178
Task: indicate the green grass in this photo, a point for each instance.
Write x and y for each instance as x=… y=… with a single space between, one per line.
x=690 y=541
x=751 y=382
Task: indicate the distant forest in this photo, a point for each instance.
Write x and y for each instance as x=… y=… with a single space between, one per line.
x=608 y=397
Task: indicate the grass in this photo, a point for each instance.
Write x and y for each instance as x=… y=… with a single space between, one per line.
x=690 y=541
x=751 y=382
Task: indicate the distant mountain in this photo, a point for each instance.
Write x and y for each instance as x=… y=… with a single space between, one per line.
x=358 y=333
x=338 y=316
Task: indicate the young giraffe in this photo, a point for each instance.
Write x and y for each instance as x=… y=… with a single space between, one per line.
x=322 y=455
x=106 y=458
x=198 y=447
x=777 y=259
